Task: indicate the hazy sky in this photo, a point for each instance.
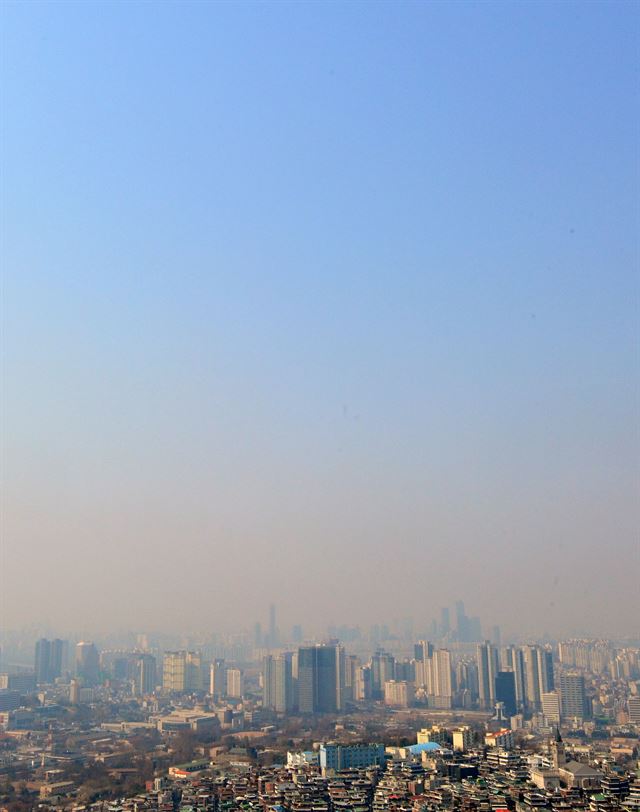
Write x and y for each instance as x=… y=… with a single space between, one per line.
x=330 y=304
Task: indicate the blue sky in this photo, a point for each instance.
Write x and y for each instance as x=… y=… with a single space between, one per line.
x=292 y=284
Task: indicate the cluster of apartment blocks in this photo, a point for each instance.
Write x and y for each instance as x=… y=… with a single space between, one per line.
x=323 y=677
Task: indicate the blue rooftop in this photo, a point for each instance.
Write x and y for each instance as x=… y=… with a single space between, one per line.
x=427 y=747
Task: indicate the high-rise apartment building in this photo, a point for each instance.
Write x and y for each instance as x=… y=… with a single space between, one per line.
x=551 y=707
x=573 y=698
x=362 y=684
x=512 y=659
x=383 y=669
x=487 y=658
x=398 y=694
x=278 y=683
x=545 y=670
x=217 y=678
x=235 y=683
x=351 y=665
x=173 y=671
x=422 y=654
x=181 y=671
x=531 y=655
x=145 y=674
x=440 y=694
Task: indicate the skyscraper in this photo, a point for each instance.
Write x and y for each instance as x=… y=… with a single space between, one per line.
x=278 y=682
x=49 y=660
x=505 y=691
x=319 y=678
x=573 y=698
x=235 y=683
x=487 y=657
x=307 y=680
x=181 y=671
x=173 y=671
x=382 y=670
x=551 y=707
x=217 y=678
x=87 y=663
x=422 y=653
x=545 y=670
x=532 y=676
x=513 y=660
x=441 y=692
x=145 y=674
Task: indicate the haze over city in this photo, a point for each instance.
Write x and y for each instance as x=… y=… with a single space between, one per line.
x=328 y=305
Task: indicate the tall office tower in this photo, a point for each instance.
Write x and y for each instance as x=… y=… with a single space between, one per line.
x=532 y=676
x=382 y=670
x=43 y=661
x=58 y=658
x=496 y=636
x=319 y=688
x=441 y=690
x=573 y=697
x=278 y=682
x=145 y=674
x=273 y=629
x=235 y=683
x=505 y=691
x=296 y=634
x=487 y=657
x=217 y=678
x=87 y=663
x=329 y=683
x=445 y=622
x=512 y=659
x=362 y=685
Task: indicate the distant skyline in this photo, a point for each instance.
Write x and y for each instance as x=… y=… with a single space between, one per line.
x=331 y=305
